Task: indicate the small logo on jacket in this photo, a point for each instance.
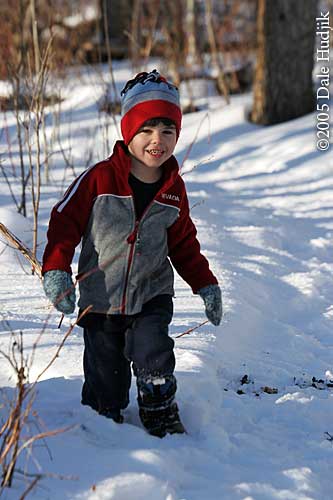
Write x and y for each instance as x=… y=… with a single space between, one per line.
x=172 y=197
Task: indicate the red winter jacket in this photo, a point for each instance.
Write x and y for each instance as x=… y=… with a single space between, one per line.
x=124 y=262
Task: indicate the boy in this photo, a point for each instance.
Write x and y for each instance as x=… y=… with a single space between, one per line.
x=131 y=212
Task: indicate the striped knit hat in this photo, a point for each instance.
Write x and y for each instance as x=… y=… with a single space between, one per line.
x=147 y=96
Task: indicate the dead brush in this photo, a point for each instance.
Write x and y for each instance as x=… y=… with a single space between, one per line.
x=17 y=431
x=16 y=434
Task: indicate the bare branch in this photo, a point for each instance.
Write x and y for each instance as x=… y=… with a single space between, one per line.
x=192 y=329
x=69 y=331
x=19 y=245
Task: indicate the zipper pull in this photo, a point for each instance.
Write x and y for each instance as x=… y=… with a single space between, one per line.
x=132 y=237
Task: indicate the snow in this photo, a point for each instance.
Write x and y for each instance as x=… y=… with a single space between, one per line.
x=88 y=13
x=262 y=200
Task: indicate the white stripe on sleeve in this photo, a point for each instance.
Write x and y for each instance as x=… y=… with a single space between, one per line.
x=76 y=185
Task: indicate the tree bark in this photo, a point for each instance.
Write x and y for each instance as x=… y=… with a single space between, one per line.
x=283 y=87
x=117 y=15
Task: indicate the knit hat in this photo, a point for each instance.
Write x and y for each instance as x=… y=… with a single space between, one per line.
x=147 y=96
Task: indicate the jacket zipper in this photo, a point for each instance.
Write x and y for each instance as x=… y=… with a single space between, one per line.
x=132 y=240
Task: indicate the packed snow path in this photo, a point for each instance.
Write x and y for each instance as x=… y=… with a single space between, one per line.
x=262 y=200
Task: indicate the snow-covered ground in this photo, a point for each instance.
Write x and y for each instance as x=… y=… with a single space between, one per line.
x=262 y=199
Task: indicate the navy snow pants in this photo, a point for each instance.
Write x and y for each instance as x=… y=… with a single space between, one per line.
x=113 y=342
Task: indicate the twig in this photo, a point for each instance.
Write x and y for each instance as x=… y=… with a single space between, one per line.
x=19 y=245
x=9 y=185
x=197 y=204
x=31 y=486
x=11 y=432
x=42 y=435
x=192 y=329
x=61 y=320
x=47 y=474
x=189 y=149
x=329 y=436
x=84 y=312
x=206 y=160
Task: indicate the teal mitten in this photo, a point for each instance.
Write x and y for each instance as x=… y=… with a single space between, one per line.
x=59 y=289
x=212 y=298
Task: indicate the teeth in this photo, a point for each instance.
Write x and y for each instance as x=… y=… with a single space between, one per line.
x=154 y=152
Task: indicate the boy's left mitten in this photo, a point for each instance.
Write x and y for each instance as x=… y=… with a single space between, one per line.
x=211 y=295
x=59 y=289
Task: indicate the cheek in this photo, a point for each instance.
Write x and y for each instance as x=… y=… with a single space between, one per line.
x=172 y=142
x=132 y=147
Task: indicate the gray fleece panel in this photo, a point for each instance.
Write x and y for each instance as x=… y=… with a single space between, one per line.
x=105 y=257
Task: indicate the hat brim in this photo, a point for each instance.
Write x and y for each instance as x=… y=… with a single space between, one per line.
x=133 y=120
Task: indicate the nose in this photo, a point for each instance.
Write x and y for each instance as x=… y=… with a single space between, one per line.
x=156 y=136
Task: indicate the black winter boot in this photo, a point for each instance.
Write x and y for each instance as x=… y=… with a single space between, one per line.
x=157 y=408
x=112 y=413
x=162 y=421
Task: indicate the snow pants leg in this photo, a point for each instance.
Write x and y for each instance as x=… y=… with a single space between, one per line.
x=107 y=372
x=150 y=349
x=112 y=343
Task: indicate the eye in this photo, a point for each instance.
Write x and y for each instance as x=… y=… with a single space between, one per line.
x=169 y=131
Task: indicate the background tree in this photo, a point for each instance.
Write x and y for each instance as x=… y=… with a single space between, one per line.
x=283 y=87
x=115 y=18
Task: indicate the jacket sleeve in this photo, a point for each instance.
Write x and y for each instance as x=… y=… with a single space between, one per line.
x=68 y=221
x=184 y=250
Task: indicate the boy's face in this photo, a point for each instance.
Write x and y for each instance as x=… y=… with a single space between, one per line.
x=153 y=145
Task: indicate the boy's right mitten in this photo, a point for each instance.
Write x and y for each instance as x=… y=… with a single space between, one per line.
x=59 y=289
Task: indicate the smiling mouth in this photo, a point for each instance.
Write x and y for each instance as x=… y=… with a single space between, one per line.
x=157 y=153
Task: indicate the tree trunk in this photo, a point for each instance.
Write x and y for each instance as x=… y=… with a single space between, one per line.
x=283 y=87
x=116 y=14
